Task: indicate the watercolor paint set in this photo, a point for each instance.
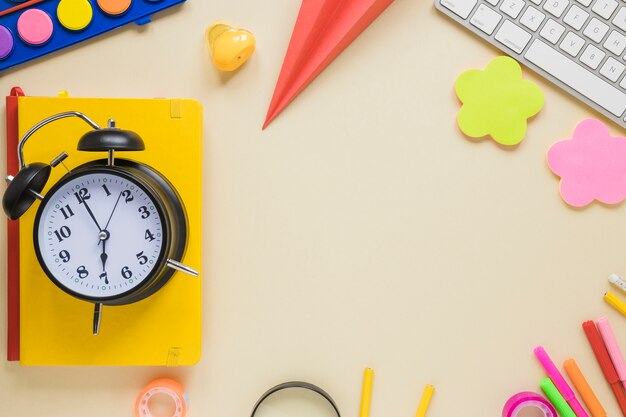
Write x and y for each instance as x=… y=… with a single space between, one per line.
x=30 y=29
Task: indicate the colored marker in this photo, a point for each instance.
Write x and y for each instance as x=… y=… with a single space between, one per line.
x=555 y=397
x=611 y=345
x=604 y=360
x=559 y=382
x=583 y=388
x=618 y=282
x=366 y=396
x=422 y=408
x=617 y=304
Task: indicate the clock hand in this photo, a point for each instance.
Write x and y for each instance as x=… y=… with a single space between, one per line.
x=104 y=256
x=91 y=214
x=104 y=236
x=113 y=211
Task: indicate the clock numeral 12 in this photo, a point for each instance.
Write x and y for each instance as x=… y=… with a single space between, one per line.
x=63 y=233
x=67 y=211
x=106 y=190
x=82 y=195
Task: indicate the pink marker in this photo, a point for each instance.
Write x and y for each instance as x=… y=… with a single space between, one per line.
x=611 y=345
x=559 y=381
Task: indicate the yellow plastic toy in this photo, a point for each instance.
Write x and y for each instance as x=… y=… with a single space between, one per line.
x=230 y=47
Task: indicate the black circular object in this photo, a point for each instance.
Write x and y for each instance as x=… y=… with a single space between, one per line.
x=19 y=195
x=296 y=384
x=110 y=138
x=169 y=207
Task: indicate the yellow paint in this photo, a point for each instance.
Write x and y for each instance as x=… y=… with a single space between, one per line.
x=422 y=408
x=75 y=14
x=497 y=101
x=230 y=47
x=163 y=329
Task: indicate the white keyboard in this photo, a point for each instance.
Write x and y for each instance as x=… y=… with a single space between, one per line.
x=578 y=45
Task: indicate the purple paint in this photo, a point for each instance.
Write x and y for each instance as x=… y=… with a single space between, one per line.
x=6 y=42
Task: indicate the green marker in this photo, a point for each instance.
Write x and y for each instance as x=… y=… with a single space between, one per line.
x=555 y=397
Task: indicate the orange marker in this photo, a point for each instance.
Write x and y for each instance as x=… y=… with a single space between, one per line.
x=583 y=388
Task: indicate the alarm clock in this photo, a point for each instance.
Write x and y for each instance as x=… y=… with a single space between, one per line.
x=111 y=231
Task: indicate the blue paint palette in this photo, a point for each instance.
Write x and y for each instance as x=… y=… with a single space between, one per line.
x=41 y=27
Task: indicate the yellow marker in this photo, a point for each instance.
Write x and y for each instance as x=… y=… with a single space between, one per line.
x=230 y=47
x=618 y=304
x=366 y=396
x=429 y=390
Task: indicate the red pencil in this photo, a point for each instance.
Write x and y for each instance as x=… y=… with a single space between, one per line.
x=604 y=360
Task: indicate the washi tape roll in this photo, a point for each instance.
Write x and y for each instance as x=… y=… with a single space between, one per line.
x=166 y=386
x=527 y=399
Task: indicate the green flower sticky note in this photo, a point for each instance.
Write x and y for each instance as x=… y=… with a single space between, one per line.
x=497 y=101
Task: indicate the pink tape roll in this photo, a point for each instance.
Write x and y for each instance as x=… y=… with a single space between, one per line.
x=166 y=386
x=527 y=399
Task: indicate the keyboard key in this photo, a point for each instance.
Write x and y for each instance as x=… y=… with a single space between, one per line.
x=552 y=31
x=623 y=83
x=592 y=56
x=513 y=37
x=493 y=2
x=576 y=17
x=462 y=8
x=596 y=30
x=556 y=7
x=532 y=18
x=572 y=44
x=585 y=3
x=604 y=8
x=612 y=69
x=577 y=77
x=620 y=19
x=512 y=7
x=485 y=19
x=616 y=42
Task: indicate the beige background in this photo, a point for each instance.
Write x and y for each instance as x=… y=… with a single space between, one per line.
x=360 y=229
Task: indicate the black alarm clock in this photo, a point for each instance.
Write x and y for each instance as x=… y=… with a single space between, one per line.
x=110 y=232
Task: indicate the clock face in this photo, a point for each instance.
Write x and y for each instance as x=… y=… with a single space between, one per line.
x=99 y=234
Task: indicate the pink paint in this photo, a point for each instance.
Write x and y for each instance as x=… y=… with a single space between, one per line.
x=35 y=26
x=592 y=165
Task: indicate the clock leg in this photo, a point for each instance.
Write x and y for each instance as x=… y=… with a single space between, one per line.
x=97 y=317
x=181 y=267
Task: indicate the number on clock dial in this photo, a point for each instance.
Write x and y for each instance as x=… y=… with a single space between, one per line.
x=70 y=242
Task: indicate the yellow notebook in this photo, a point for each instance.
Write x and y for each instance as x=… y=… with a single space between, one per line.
x=163 y=329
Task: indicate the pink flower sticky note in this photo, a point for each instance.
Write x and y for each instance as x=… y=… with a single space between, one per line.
x=497 y=101
x=592 y=165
